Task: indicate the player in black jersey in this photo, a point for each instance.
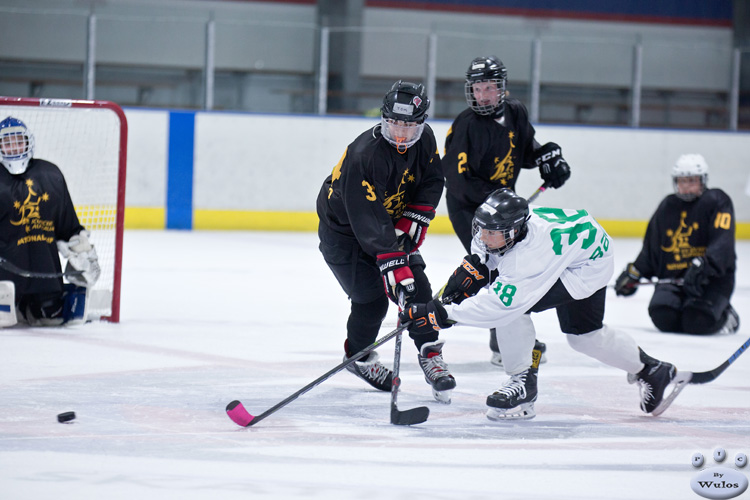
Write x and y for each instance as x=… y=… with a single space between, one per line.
x=37 y=222
x=374 y=211
x=487 y=146
x=690 y=237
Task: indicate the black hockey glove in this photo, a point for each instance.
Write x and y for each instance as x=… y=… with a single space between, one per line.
x=552 y=166
x=627 y=283
x=413 y=225
x=397 y=276
x=426 y=318
x=696 y=277
x=468 y=278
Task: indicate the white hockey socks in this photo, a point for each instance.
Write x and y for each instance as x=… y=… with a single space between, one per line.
x=7 y=304
x=611 y=347
x=516 y=341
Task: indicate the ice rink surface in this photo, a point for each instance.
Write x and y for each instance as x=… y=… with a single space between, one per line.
x=209 y=317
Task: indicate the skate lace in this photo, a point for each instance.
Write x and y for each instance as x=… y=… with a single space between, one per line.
x=516 y=385
x=375 y=371
x=434 y=366
x=647 y=391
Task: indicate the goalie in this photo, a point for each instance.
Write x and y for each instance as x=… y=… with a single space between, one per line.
x=37 y=223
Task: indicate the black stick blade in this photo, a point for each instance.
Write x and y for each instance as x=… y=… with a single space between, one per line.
x=409 y=417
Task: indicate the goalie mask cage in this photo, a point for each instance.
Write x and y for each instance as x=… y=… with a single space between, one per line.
x=87 y=140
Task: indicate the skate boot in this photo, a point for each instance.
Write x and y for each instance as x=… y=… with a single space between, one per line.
x=732 y=324
x=515 y=399
x=497 y=359
x=653 y=381
x=436 y=372
x=372 y=371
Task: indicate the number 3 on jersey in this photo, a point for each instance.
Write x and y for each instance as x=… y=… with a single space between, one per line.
x=558 y=216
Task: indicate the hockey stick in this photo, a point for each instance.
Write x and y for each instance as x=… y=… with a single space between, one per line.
x=403 y=417
x=539 y=191
x=9 y=266
x=242 y=417
x=413 y=415
x=710 y=375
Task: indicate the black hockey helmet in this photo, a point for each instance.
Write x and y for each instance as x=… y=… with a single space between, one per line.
x=486 y=69
x=502 y=213
x=403 y=114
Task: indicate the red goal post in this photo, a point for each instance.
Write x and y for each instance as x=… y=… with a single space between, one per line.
x=88 y=141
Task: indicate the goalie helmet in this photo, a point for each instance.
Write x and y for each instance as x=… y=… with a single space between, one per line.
x=690 y=165
x=485 y=86
x=16 y=145
x=500 y=221
x=403 y=114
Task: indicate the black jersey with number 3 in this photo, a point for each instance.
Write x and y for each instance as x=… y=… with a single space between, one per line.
x=371 y=185
x=35 y=211
x=482 y=155
x=680 y=230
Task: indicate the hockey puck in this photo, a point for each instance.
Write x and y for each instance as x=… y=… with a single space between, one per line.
x=66 y=417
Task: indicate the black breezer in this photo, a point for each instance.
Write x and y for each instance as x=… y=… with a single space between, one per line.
x=576 y=316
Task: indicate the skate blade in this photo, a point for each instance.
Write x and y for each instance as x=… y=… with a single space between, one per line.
x=521 y=412
x=680 y=380
x=442 y=396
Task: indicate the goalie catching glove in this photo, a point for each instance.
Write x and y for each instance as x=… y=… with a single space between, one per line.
x=553 y=168
x=411 y=228
x=468 y=278
x=397 y=276
x=81 y=256
x=426 y=318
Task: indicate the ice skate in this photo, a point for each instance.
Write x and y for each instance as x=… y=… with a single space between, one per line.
x=372 y=371
x=732 y=324
x=515 y=399
x=436 y=372
x=497 y=359
x=654 y=380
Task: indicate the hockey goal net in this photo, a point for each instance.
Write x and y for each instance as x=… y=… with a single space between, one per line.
x=87 y=140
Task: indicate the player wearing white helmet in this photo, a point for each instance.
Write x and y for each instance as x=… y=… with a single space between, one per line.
x=690 y=242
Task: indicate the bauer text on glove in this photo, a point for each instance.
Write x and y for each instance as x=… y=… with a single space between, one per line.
x=397 y=276
x=411 y=228
x=426 y=318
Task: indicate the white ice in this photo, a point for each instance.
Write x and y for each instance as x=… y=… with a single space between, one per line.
x=209 y=317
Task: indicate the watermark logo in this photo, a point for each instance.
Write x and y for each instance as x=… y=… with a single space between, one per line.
x=719 y=481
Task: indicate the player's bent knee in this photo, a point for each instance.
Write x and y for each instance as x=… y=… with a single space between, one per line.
x=666 y=319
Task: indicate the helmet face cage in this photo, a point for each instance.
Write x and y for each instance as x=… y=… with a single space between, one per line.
x=485 y=85
x=16 y=145
x=502 y=214
x=690 y=165
x=403 y=114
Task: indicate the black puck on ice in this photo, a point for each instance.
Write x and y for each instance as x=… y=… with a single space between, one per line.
x=66 y=417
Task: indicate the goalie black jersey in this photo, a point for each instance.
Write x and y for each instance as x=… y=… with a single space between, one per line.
x=35 y=211
x=371 y=185
x=680 y=230
x=482 y=155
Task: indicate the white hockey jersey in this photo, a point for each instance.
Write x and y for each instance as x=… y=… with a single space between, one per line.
x=561 y=243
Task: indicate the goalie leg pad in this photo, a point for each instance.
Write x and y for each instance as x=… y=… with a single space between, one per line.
x=7 y=304
x=75 y=304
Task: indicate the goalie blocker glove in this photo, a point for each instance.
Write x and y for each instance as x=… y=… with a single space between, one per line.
x=411 y=228
x=426 y=318
x=466 y=281
x=552 y=166
x=627 y=283
x=81 y=256
x=397 y=276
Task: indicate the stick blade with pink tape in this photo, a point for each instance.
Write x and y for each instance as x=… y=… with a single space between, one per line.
x=239 y=414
